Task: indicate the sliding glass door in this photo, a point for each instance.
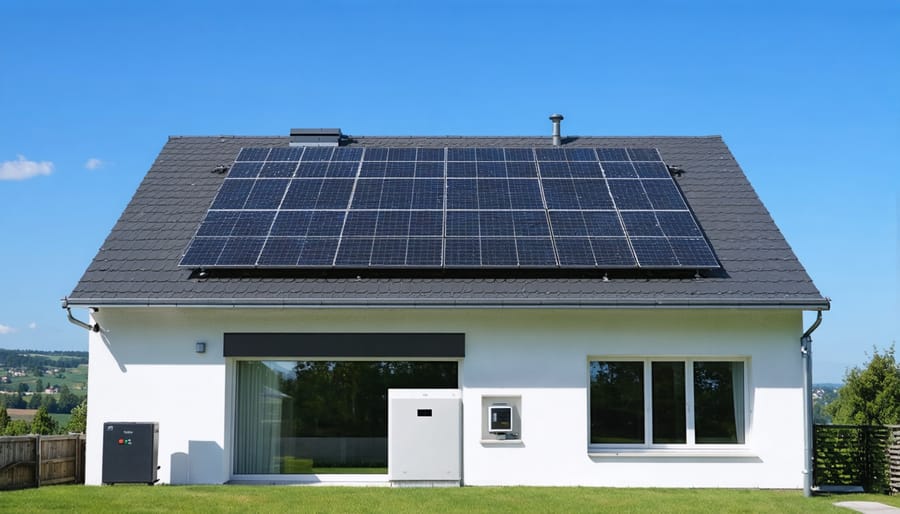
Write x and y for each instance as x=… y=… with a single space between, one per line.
x=322 y=416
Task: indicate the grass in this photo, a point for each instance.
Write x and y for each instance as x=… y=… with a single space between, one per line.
x=520 y=500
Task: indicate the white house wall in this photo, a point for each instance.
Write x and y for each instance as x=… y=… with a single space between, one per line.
x=143 y=367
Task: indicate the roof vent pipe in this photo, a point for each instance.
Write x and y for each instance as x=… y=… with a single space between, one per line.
x=556 y=118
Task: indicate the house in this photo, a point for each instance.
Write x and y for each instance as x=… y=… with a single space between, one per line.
x=613 y=311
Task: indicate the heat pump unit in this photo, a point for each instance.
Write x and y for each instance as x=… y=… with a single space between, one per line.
x=130 y=452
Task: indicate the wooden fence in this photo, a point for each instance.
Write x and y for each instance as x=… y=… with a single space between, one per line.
x=33 y=460
x=857 y=456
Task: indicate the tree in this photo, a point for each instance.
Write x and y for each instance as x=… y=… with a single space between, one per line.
x=67 y=400
x=12 y=401
x=48 y=402
x=4 y=418
x=870 y=395
x=16 y=427
x=42 y=423
x=78 y=421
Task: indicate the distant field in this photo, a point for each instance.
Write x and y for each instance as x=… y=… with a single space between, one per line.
x=26 y=414
x=48 y=356
x=75 y=379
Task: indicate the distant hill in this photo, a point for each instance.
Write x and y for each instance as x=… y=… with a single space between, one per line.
x=56 y=380
x=37 y=358
x=823 y=394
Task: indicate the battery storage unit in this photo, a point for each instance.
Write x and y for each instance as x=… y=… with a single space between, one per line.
x=130 y=452
x=424 y=437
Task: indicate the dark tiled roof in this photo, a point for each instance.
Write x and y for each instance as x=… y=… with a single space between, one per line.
x=138 y=262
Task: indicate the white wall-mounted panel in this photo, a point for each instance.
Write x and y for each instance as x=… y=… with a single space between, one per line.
x=424 y=441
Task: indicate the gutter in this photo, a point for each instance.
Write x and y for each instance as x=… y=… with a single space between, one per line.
x=464 y=303
x=87 y=326
x=806 y=353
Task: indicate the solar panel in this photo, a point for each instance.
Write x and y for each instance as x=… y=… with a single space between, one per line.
x=281 y=251
x=424 y=252
x=290 y=154
x=486 y=207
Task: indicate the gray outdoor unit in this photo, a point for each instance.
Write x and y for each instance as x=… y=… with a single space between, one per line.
x=130 y=453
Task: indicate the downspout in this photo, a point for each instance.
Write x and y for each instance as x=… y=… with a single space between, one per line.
x=806 y=352
x=92 y=328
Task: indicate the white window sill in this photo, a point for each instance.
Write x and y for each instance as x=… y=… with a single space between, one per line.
x=674 y=453
x=502 y=442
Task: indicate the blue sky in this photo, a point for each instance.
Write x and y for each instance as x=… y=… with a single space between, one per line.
x=807 y=96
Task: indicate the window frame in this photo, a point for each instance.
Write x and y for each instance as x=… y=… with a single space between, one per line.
x=690 y=445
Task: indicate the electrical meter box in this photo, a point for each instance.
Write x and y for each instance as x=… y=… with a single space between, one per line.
x=130 y=452
x=500 y=418
x=424 y=436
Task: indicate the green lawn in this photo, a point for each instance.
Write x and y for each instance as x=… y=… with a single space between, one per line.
x=493 y=500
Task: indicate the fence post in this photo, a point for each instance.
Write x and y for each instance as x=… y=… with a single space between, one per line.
x=77 y=444
x=815 y=459
x=867 y=458
x=37 y=460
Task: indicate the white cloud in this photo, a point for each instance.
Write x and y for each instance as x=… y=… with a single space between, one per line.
x=6 y=329
x=94 y=163
x=22 y=169
x=32 y=325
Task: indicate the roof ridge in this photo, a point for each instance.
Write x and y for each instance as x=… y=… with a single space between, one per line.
x=382 y=136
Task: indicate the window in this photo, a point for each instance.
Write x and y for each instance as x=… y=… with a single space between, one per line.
x=665 y=403
x=300 y=417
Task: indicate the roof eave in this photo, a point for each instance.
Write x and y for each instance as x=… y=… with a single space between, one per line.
x=806 y=304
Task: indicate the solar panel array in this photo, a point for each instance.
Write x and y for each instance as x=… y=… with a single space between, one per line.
x=350 y=207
